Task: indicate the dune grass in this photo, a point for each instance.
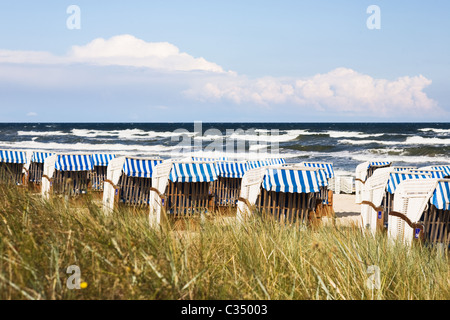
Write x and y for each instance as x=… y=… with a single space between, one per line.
x=121 y=257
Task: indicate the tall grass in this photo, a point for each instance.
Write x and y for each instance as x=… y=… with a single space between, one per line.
x=121 y=257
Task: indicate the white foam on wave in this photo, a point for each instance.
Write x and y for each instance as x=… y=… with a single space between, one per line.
x=87 y=147
x=445 y=131
x=362 y=142
x=42 y=133
x=252 y=135
x=414 y=140
x=129 y=134
x=175 y=151
x=427 y=141
x=351 y=134
x=367 y=156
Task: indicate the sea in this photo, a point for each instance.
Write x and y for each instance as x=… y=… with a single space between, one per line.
x=344 y=144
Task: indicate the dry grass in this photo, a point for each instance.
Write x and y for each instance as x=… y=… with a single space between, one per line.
x=120 y=257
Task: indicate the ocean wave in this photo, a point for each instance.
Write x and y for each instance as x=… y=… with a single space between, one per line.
x=362 y=142
x=414 y=140
x=42 y=133
x=445 y=131
x=351 y=134
x=362 y=157
x=427 y=141
x=128 y=134
x=334 y=133
x=88 y=147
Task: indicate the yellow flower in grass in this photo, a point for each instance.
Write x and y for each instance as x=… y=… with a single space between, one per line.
x=83 y=285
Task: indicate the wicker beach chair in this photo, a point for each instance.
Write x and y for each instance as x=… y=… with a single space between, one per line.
x=227 y=187
x=289 y=194
x=66 y=174
x=421 y=212
x=128 y=181
x=12 y=164
x=182 y=189
x=364 y=171
x=378 y=196
x=35 y=169
x=99 y=173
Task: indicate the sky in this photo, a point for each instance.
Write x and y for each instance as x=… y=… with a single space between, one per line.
x=225 y=61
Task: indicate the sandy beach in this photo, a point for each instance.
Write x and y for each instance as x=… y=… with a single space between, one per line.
x=347 y=211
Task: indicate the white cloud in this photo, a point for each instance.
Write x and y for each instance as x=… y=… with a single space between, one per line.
x=122 y=50
x=31 y=114
x=127 y=50
x=171 y=72
x=341 y=90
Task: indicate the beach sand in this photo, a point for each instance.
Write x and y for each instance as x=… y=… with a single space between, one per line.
x=347 y=211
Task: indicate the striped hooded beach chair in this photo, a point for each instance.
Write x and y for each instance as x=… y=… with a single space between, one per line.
x=128 y=181
x=378 y=195
x=364 y=171
x=182 y=189
x=67 y=174
x=12 y=164
x=227 y=187
x=290 y=194
x=98 y=174
x=421 y=212
x=36 y=167
x=326 y=191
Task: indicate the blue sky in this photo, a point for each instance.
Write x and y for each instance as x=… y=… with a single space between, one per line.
x=289 y=61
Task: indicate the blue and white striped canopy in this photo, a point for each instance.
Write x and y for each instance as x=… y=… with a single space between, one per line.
x=396 y=177
x=39 y=157
x=252 y=164
x=102 y=159
x=379 y=164
x=12 y=156
x=230 y=169
x=140 y=168
x=434 y=173
x=322 y=174
x=193 y=172
x=294 y=181
x=327 y=166
x=74 y=162
x=402 y=169
x=275 y=161
x=446 y=169
x=441 y=196
x=208 y=159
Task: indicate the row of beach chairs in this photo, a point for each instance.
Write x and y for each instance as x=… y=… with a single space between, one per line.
x=178 y=187
x=406 y=202
x=410 y=204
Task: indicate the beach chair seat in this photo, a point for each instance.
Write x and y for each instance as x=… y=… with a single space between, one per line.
x=421 y=212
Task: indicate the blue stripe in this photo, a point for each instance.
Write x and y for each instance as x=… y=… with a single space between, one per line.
x=278 y=180
x=11 y=156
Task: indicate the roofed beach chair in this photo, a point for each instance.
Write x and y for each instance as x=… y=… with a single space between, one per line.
x=35 y=169
x=378 y=196
x=421 y=212
x=99 y=173
x=182 y=189
x=12 y=164
x=326 y=190
x=227 y=187
x=128 y=181
x=289 y=194
x=66 y=174
x=365 y=171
